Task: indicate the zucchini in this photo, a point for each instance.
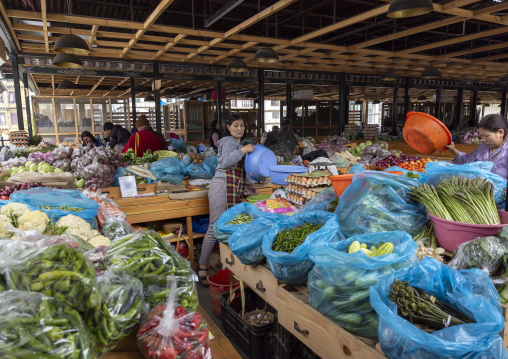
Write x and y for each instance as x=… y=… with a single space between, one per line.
x=361 y=294
x=349 y=318
x=386 y=248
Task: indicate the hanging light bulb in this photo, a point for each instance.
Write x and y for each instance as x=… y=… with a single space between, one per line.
x=66 y=85
x=389 y=76
x=237 y=65
x=149 y=98
x=72 y=44
x=69 y=61
x=421 y=98
x=266 y=55
x=465 y=83
x=431 y=73
x=409 y=8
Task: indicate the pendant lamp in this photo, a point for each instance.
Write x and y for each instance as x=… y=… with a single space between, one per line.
x=167 y=92
x=149 y=98
x=431 y=73
x=376 y=102
x=465 y=83
x=68 y=61
x=421 y=98
x=71 y=44
x=250 y=94
x=389 y=76
x=66 y=85
x=237 y=65
x=266 y=55
x=358 y=102
x=409 y=8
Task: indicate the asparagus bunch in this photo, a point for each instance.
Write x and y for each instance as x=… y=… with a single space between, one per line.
x=460 y=199
x=424 y=311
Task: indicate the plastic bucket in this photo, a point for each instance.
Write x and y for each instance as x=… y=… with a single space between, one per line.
x=341 y=182
x=278 y=174
x=451 y=234
x=258 y=162
x=219 y=283
x=255 y=199
x=425 y=133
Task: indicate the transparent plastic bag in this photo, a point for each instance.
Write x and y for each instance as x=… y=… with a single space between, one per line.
x=469 y=291
x=34 y=325
x=222 y=227
x=203 y=170
x=186 y=293
x=53 y=267
x=294 y=267
x=379 y=202
x=339 y=282
x=122 y=306
x=146 y=256
x=245 y=242
x=169 y=331
x=483 y=253
x=169 y=169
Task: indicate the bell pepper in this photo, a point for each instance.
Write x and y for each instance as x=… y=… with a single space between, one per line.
x=179 y=311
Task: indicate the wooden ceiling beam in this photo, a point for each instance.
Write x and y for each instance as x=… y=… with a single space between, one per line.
x=234 y=51
x=475 y=50
x=169 y=45
x=9 y=25
x=491 y=9
x=96 y=85
x=45 y=25
x=279 y=5
x=77 y=80
x=93 y=33
x=161 y=7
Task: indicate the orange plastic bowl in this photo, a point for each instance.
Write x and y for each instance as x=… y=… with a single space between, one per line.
x=341 y=182
x=425 y=133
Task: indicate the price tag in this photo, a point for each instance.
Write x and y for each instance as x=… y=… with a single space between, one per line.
x=128 y=186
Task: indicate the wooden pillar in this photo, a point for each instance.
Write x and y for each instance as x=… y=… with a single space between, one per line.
x=158 y=120
x=458 y=108
x=288 y=105
x=261 y=92
x=27 y=105
x=437 y=113
x=133 y=99
x=17 y=90
x=343 y=102
x=473 y=118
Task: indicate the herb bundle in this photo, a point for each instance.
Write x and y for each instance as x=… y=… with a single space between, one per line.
x=424 y=311
x=288 y=239
x=460 y=199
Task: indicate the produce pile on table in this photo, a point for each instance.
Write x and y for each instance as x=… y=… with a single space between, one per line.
x=288 y=239
x=8 y=190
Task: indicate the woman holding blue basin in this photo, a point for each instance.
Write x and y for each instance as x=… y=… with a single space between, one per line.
x=228 y=184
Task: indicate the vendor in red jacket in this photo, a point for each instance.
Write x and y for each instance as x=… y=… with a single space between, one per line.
x=145 y=138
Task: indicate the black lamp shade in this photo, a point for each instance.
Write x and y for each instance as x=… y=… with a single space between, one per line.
x=487 y=105
x=422 y=98
x=358 y=102
x=389 y=76
x=431 y=73
x=71 y=44
x=250 y=94
x=376 y=102
x=266 y=55
x=149 y=98
x=500 y=85
x=167 y=92
x=465 y=83
x=68 y=61
x=409 y=8
x=504 y=79
x=66 y=85
x=237 y=65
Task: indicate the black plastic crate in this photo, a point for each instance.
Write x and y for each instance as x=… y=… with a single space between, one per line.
x=289 y=347
x=258 y=342
x=282 y=143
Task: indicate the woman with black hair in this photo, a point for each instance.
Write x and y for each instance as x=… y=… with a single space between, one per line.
x=228 y=184
x=215 y=135
x=119 y=138
x=493 y=130
x=89 y=140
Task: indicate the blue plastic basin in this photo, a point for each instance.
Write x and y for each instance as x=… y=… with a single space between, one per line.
x=278 y=174
x=202 y=148
x=258 y=162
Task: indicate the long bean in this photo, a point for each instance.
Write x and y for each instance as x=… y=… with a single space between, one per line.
x=288 y=239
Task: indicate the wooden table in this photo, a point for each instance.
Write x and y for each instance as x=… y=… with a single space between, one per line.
x=220 y=345
x=294 y=312
x=161 y=207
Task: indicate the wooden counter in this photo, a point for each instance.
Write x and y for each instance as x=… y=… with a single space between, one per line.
x=220 y=345
x=316 y=331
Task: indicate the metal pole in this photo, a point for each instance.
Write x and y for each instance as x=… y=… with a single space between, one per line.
x=437 y=112
x=27 y=105
x=343 y=94
x=219 y=105
x=394 y=131
x=458 y=108
x=289 y=110
x=503 y=103
x=472 y=109
x=158 y=119
x=17 y=90
x=261 y=91
x=407 y=98
x=133 y=99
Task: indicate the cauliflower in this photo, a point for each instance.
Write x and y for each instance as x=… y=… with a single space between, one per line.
x=33 y=220
x=5 y=223
x=18 y=209
x=76 y=226
x=99 y=240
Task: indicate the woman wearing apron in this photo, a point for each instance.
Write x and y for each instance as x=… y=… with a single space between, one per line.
x=493 y=131
x=227 y=186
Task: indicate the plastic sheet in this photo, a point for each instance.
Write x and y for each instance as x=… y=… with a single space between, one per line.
x=378 y=202
x=221 y=227
x=470 y=291
x=339 y=282
x=203 y=170
x=34 y=325
x=122 y=306
x=294 y=267
x=170 y=169
x=435 y=172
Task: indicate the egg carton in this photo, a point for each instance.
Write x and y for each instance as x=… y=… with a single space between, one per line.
x=308 y=193
x=296 y=199
x=314 y=179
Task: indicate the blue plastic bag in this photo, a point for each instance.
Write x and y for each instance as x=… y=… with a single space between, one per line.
x=245 y=242
x=320 y=202
x=203 y=170
x=120 y=172
x=223 y=230
x=179 y=145
x=470 y=291
x=435 y=172
x=357 y=168
x=170 y=169
x=42 y=196
x=200 y=225
x=378 y=202
x=339 y=282
x=294 y=267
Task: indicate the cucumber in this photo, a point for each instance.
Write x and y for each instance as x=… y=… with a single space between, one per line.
x=350 y=318
x=362 y=294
